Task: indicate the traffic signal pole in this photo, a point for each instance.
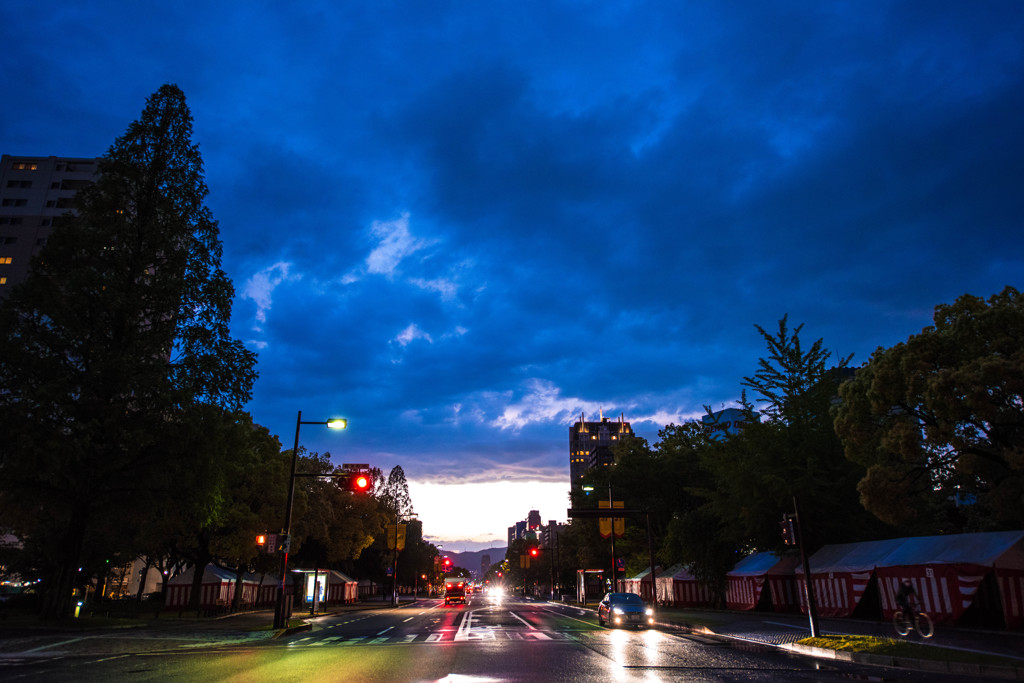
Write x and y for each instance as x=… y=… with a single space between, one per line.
x=812 y=609
x=615 y=578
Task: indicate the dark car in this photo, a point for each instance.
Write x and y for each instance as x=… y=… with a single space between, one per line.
x=624 y=609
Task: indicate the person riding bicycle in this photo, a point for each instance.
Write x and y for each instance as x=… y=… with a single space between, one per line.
x=907 y=600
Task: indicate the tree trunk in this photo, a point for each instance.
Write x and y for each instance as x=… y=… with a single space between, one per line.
x=142 y=580
x=195 y=595
x=59 y=595
x=236 y=600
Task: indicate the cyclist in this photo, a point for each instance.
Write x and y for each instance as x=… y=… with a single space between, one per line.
x=907 y=600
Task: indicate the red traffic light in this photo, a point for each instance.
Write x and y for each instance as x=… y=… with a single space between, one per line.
x=355 y=482
x=534 y=552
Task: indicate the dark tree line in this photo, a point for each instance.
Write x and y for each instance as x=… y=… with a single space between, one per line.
x=925 y=438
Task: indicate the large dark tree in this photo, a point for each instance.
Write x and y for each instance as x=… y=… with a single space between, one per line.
x=938 y=421
x=788 y=450
x=119 y=332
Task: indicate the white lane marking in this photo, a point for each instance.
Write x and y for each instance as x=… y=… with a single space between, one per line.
x=385 y=630
x=528 y=624
x=63 y=642
x=409 y=619
x=353 y=641
x=589 y=623
x=467 y=621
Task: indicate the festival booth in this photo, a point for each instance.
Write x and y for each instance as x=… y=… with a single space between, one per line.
x=341 y=589
x=216 y=591
x=841 y=574
x=641 y=584
x=980 y=572
x=745 y=583
x=266 y=588
x=663 y=584
x=367 y=589
x=781 y=581
x=687 y=591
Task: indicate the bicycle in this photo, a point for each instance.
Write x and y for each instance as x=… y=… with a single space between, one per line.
x=920 y=622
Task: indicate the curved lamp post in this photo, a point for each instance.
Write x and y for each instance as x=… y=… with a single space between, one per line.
x=282 y=613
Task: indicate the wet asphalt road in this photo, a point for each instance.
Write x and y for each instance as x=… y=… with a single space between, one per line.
x=490 y=639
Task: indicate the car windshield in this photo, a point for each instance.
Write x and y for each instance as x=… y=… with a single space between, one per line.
x=626 y=599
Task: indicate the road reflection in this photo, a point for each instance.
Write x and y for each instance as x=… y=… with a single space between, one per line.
x=632 y=651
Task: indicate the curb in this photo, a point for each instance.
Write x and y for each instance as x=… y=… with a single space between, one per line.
x=929 y=665
x=291 y=631
x=925 y=665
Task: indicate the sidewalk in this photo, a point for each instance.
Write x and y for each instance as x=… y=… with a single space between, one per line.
x=784 y=630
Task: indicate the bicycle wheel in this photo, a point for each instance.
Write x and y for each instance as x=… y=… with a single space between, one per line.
x=924 y=625
x=901 y=623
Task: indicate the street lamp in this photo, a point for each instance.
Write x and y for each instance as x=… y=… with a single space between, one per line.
x=615 y=578
x=283 y=611
x=394 y=571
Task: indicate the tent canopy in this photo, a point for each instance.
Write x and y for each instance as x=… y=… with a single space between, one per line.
x=985 y=549
x=755 y=565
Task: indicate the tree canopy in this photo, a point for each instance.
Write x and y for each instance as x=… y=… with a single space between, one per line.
x=117 y=337
x=938 y=420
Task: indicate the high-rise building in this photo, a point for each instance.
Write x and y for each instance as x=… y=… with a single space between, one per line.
x=516 y=531
x=533 y=520
x=590 y=444
x=35 y=195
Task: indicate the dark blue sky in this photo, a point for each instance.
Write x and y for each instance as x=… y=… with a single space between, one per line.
x=461 y=224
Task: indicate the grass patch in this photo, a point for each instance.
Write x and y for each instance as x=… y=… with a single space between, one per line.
x=900 y=648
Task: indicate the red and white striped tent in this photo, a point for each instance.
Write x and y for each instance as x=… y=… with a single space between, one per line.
x=663 y=584
x=641 y=584
x=841 y=573
x=746 y=582
x=341 y=589
x=781 y=580
x=266 y=588
x=949 y=572
x=687 y=591
x=216 y=590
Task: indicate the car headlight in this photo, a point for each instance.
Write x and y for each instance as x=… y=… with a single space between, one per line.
x=650 y=612
x=616 y=610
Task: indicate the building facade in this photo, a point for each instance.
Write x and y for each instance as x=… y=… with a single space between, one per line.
x=35 y=195
x=590 y=444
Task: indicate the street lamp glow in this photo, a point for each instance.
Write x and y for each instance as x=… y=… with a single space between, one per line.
x=588 y=488
x=337 y=423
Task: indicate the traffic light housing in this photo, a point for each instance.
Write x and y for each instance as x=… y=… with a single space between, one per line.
x=355 y=481
x=360 y=483
x=788 y=530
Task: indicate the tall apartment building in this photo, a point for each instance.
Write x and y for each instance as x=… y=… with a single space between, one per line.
x=35 y=194
x=590 y=444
